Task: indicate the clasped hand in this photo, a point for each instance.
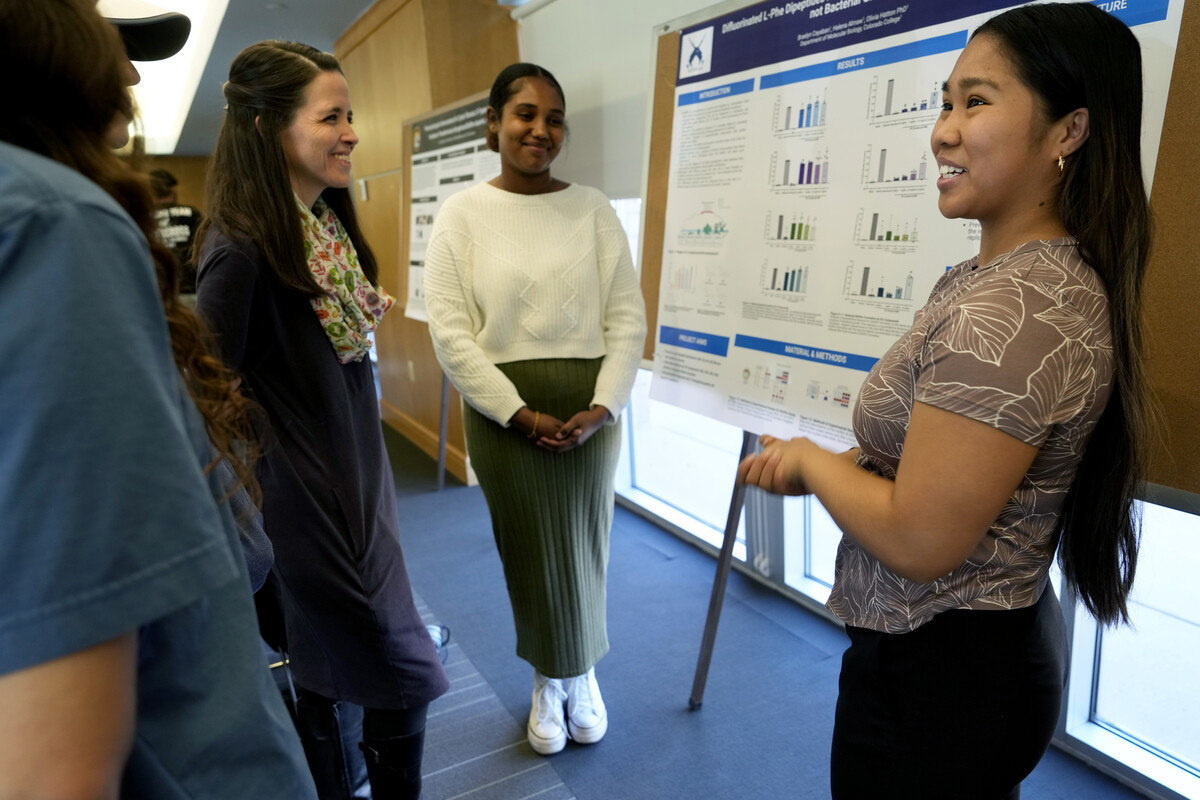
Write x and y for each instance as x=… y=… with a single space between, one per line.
x=552 y=434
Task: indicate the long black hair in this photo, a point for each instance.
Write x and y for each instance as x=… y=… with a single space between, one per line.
x=1073 y=55
x=249 y=194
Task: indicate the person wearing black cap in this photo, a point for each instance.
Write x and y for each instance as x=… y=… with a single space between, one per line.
x=149 y=33
x=130 y=663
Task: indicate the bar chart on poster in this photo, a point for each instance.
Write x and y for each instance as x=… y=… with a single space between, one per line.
x=801 y=229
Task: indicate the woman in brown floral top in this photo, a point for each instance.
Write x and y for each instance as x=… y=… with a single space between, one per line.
x=1004 y=427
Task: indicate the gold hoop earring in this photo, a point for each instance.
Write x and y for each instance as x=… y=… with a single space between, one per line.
x=1061 y=164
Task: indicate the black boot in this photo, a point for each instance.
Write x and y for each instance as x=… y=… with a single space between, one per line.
x=323 y=725
x=394 y=765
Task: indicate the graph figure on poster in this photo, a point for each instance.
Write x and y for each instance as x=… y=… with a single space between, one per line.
x=878 y=228
x=800 y=112
x=796 y=228
x=683 y=279
x=878 y=174
x=863 y=285
x=888 y=106
x=789 y=281
x=805 y=171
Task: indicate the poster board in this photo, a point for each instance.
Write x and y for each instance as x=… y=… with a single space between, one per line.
x=447 y=152
x=792 y=226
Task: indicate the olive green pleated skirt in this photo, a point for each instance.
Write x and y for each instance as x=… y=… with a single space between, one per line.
x=551 y=517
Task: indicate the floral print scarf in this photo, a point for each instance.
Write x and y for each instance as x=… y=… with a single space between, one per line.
x=351 y=307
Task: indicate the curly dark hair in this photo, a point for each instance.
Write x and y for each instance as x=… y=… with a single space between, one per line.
x=64 y=115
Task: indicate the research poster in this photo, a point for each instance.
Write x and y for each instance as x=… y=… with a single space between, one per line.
x=449 y=153
x=802 y=230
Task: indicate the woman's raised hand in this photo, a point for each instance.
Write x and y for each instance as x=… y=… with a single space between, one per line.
x=777 y=468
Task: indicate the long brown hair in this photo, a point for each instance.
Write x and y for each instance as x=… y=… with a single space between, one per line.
x=79 y=65
x=1073 y=55
x=249 y=194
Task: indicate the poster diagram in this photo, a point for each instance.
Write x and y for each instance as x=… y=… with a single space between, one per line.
x=706 y=229
x=812 y=130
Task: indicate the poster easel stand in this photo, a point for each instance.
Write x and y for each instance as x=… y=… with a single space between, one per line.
x=442 y=426
x=724 y=564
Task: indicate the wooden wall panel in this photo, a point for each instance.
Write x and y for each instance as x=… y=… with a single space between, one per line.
x=388 y=73
x=1173 y=359
x=188 y=170
x=378 y=215
x=409 y=374
x=367 y=24
x=465 y=52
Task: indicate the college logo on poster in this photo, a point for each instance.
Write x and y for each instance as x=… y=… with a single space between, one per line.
x=695 y=53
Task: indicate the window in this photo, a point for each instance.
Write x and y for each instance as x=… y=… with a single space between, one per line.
x=681 y=466
x=1134 y=693
x=810 y=540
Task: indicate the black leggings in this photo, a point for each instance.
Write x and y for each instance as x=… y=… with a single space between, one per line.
x=379 y=723
x=962 y=707
x=390 y=753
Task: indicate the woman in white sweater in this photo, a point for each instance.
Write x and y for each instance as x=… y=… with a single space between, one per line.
x=537 y=318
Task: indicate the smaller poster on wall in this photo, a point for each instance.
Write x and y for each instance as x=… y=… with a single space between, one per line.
x=449 y=154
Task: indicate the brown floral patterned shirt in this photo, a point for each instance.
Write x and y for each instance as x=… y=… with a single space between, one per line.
x=1022 y=344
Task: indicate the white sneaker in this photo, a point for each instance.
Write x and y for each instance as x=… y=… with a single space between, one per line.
x=547 y=732
x=587 y=718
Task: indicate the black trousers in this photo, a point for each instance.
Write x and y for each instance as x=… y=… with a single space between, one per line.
x=962 y=707
x=330 y=732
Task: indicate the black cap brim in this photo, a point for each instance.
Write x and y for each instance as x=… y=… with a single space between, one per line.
x=154 y=38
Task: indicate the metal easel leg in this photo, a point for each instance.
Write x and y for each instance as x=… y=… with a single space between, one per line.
x=724 y=563
x=445 y=420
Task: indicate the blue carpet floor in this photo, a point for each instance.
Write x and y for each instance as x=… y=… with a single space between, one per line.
x=767 y=718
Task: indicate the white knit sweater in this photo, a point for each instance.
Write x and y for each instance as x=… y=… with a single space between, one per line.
x=514 y=277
